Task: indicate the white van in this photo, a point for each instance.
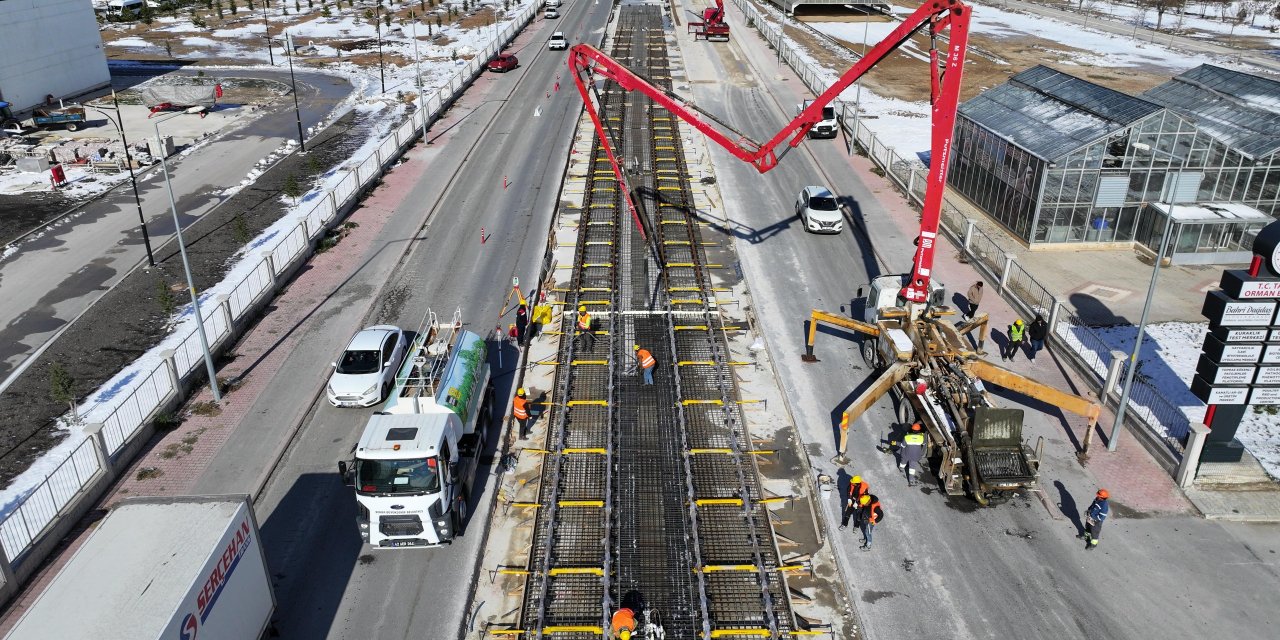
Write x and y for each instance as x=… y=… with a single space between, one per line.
x=550 y=4
x=120 y=8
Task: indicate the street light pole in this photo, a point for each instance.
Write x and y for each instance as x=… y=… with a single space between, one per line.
x=267 y=32
x=133 y=178
x=290 y=50
x=1146 y=307
x=186 y=266
x=377 y=25
x=417 y=73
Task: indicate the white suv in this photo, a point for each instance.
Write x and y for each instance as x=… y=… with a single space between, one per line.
x=819 y=211
x=557 y=41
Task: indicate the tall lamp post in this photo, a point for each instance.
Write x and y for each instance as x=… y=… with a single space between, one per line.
x=417 y=73
x=186 y=266
x=297 y=113
x=377 y=25
x=267 y=32
x=1151 y=290
x=118 y=121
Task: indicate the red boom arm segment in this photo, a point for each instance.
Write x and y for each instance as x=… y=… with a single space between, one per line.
x=952 y=16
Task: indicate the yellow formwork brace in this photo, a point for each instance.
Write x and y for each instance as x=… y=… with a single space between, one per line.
x=679 y=264
x=729 y=633
x=707 y=502
x=524 y=505
x=605 y=265
x=687 y=301
x=598 y=450
x=572 y=629
x=576 y=571
x=597 y=403
x=581 y=362
x=581 y=503
x=513 y=572
x=709 y=363
x=505 y=632
x=713 y=568
x=689 y=402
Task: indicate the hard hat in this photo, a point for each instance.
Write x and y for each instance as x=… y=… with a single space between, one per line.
x=625 y=634
x=864 y=499
x=520 y=391
x=582 y=307
x=915 y=427
x=1018 y=322
x=637 y=347
x=856 y=479
x=1102 y=493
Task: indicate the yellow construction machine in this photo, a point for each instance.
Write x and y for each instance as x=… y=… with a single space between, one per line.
x=935 y=370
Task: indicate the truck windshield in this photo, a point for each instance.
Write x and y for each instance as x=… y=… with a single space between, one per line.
x=823 y=203
x=417 y=475
x=358 y=362
x=828 y=113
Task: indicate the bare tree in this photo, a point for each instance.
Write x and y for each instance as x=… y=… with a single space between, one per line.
x=1160 y=7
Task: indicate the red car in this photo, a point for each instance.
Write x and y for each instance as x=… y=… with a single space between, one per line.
x=503 y=62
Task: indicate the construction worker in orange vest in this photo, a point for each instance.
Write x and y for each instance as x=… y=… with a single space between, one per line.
x=647 y=363
x=584 y=328
x=869 y=515
x=520 y=411
x=857 y=489
x=624 y=624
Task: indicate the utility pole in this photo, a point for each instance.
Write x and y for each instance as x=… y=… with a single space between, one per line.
x=267 y=32
x=377 y=24
x=297 y=113
x=133 y=178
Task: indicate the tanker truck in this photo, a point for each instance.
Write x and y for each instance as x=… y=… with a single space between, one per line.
x=416 y=460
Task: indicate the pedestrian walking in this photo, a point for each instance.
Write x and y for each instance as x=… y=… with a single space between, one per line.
x=541 y=317
x=974 y=298
x=522 y=324
x=520 y=411
x=1037 y=331
x=647 y=363
x=1095 y=515
x=912 y=452
x=623 y=624
x=869 y=515
x=857 y=489
x=1017 y=331
x=585 y=335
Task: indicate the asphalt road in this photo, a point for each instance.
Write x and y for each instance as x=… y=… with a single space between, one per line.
x=54 y=278
x=940 y=567
x=327 y=583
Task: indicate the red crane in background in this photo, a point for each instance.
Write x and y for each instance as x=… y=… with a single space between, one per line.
x=713 y=25
x=945 y=71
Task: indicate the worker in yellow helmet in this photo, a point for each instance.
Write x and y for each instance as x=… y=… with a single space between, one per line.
x=520 y=411
x=624 y=624
x=586 y=336
x=857 y=489
x=647 y=363
x=1017 y=331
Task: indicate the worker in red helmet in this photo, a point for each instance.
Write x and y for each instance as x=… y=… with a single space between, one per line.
x=912 y=452
x=1095 y=515
x=623 y=624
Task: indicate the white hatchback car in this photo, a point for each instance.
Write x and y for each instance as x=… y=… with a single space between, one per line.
x=557 y=41
x=365 y=373
x=818 y=209
x=552 y=14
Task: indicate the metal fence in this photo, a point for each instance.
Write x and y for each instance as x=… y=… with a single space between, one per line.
x=31 y=515
x=1147 y=404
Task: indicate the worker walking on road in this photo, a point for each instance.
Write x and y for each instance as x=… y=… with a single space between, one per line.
x=623 y=624
x=584 y=329
x=520 y=411
x=1037 y=331
x=869 y=515
x=912 y=452
x=1095 y=515
x=974 y=298
x=1017 y=331
x=857 y=489
x=647 y=363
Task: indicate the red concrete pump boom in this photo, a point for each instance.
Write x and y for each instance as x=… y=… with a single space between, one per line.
x=951 y=16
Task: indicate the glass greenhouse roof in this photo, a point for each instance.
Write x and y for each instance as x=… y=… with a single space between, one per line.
x=1051 y=114
x=1240 y=109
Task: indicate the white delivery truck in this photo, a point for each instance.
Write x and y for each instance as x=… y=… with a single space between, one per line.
x=827 y=127
x=414 y=465
x=176 y=568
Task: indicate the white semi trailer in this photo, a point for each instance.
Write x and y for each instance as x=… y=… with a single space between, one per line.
x=177 y=568
x=414 y=465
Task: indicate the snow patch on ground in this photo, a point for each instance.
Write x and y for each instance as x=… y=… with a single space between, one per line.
x=1170 y=352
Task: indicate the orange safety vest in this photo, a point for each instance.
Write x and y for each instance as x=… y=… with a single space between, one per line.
x=871 y=511
x=521 y=408
x=857 y=491
x=623 y=619
x=646 y=358
x=584 y=321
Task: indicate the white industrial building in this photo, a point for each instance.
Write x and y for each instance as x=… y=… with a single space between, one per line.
x=51 y=48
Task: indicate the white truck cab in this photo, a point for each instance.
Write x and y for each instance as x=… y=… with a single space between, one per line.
x=827 y=127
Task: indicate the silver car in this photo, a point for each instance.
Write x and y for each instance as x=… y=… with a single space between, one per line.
x=819 y=210
x=366 y=372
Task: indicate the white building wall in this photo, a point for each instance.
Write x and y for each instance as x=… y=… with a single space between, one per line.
x=49 y=47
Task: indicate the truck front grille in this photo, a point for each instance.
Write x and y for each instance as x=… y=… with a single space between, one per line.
x=400 y=525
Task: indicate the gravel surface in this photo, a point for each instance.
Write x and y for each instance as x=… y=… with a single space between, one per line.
x=131 y=318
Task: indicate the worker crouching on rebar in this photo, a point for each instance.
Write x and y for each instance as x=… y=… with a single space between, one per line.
x=623 y=623
x=912 y=452
x=646 y=362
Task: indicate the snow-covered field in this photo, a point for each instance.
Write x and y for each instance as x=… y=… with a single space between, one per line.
x=898 y=123
x=1168 y=360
